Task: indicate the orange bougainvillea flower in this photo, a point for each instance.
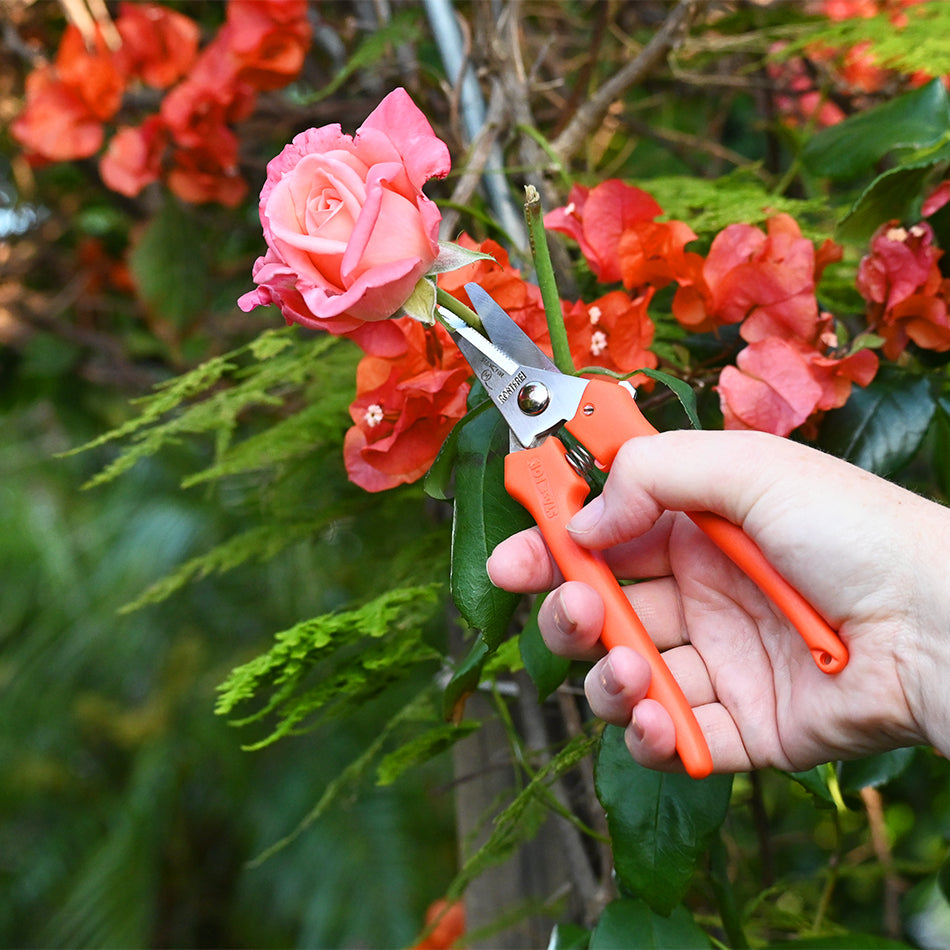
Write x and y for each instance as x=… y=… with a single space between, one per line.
x=159 y=45
x=405 y=407
x=905 y=290
x=134 y=157
x=764 y=280
x=269 y=40
x=613 y=332
x=778 y=384
x=654 y=253
x=597 y=219
x=56 y=125
x=67 y=102
x=504 y=283
x=447 y=920
x=93 y=74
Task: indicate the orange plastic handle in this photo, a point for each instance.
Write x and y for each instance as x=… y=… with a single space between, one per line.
x=545 y=483
x=607 y=418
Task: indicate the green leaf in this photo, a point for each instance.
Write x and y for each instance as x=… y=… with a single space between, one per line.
x=546 y=669
x=568 y=937
x=943 y=879
x=439 y=478
x=816 y=782
x=464 y=681
x=660 y=824
x=875 y=770
x=852 y=147
x=485 y=514
x=681 y=389
x=169 y=264
x=631 y=923
x=894 y=195
x=880 y=428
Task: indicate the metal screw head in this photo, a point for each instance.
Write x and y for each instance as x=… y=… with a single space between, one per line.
x=533 y=398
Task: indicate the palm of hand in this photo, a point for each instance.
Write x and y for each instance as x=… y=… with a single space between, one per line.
x=752 y=681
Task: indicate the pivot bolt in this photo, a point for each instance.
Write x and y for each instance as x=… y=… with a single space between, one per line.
x=533 y=398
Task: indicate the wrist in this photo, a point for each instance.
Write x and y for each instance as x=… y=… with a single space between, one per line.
x=925 y=667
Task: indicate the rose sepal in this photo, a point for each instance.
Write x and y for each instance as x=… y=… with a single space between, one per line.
x=454 y=256
x=421 y=303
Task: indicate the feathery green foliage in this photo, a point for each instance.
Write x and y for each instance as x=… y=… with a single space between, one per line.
x=331 y=664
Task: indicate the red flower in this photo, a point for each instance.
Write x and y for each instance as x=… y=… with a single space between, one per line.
x=269 y=40
x=613 y=332
x=134 y=157
x=56 y=124
x=201 y=175
x=779 y=384
x=405 y=407
x=159 y=45
x=597 y=218
x=654 y=253
x=66 y=103
x=906 y=294
x=93 y=75
x=767 y=280
x=504 y=283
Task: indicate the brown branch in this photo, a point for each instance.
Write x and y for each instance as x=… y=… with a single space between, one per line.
x=589 y=116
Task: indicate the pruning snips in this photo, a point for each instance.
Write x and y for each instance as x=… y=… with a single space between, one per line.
x=537 y=400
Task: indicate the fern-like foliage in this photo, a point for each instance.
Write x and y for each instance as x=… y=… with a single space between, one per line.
x=919 y=44
x=264 y=373
x=334 y=663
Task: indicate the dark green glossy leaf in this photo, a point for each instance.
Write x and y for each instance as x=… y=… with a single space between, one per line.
x=660 y=824
x=439 y=478
x=880 y=428
x=630 y=923
x=464 y=681
x=852 y=147
x=894 y=195
x=815 y=781
x=568 y=937
x=546 y=669
x=485 y=514
x=681 y=389
x=875 y=770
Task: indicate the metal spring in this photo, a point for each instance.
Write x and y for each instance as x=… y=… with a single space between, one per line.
x=580 y=460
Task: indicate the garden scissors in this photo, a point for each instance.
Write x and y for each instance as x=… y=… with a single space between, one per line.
x=537 y=400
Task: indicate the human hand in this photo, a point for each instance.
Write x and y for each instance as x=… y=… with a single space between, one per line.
x=868 y=555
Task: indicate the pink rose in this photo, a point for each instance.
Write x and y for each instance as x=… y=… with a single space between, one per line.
x=349 y=232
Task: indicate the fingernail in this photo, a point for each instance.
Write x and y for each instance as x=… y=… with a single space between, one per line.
x=587 y=517
x=562 y=616
x=636 y=728
x=609 y=681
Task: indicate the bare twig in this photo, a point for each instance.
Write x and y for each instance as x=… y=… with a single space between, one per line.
x=893 y=885
x=589 y=116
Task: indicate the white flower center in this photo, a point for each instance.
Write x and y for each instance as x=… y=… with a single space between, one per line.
x=598 y=342
x=374 y=415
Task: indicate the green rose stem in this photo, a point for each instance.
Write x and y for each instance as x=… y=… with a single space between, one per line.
x=544 y=270
x=454 y=305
